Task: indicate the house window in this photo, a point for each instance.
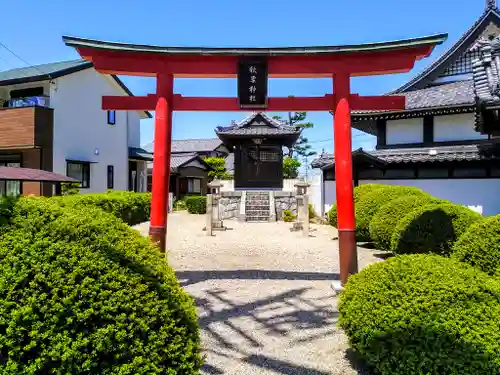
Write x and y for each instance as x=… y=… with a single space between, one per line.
x=111 y=177
x=467 y=172
x=79 y=171
x=194 y=185
x=111 y=117
x=12 y=188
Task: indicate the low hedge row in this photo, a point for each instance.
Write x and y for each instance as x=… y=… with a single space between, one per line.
x=432 y=228
x=133 y=208
x=196 y=204
x=423 y=314
x=83 y=293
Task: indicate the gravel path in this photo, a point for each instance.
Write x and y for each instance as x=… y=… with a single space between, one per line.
x=264 y=296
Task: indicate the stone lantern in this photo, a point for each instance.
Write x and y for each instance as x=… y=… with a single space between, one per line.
x=213 y=212
x=214 y=187
x=302 y=207
x=301 y=187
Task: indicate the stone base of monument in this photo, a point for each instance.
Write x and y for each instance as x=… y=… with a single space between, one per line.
x=296 y=227
x=337 y=287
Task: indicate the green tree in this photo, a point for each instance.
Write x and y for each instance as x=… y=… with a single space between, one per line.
x=290 y=167
x=302 y=146
x=218 y=166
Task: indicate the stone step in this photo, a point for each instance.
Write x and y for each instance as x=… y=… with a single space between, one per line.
x=255 y=219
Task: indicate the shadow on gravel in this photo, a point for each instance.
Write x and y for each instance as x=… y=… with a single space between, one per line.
x=193 y=277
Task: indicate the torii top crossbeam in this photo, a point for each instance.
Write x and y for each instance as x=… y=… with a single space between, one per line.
x=282 y=62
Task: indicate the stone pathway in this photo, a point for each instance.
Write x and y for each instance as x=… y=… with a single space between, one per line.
x=264 y=295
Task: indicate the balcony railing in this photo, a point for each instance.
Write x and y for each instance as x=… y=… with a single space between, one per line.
x=30 y=101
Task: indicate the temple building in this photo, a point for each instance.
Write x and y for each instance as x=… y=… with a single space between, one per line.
x=446 y=140
x=257 y=143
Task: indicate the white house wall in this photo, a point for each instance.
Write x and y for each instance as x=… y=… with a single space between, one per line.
x=81 y=128
x=134 y=129
x=479 y=194
x=405 y=131
x=456 y=128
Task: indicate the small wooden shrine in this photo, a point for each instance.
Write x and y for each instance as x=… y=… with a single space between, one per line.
x=257 y=143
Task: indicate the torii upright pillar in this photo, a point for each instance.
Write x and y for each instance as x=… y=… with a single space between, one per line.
x=348 y=257
x=161 y=166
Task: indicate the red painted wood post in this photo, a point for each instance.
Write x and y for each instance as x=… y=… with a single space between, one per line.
x=161 y=162
x=343 y=178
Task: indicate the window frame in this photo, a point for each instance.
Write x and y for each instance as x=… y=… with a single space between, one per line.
x=84 y=182
x=110 y=182
x=111 y=119
x=190 y=181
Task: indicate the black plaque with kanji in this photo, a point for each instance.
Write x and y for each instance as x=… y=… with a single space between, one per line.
x=252 y=83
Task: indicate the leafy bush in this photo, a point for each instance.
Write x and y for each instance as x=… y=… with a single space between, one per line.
x=288 y=216
x=180 y=204
x=433 y=228
x=6 y=206
x=359 y=193
x=480 y=245
x=368 y=204
x=70 y=188
x=196 y=204
x=423 y=314
x=83 y=293
x=312 y=213
x=133 y=208
x=387 y=217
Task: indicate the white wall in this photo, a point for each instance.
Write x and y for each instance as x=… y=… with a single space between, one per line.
x=479 y=194
x=456 y=128
x=405 y=131
x=133 y=129
x=80 y=127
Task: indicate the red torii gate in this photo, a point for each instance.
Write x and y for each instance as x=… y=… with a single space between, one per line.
x=337 y=62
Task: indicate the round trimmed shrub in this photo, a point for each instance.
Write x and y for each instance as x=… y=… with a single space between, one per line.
x=369 y=204
x=196 y=204
x=387 y=217
x=83 y=293
x=359 y=192
x=432 y=228
x=423 y=314
x=480 y=245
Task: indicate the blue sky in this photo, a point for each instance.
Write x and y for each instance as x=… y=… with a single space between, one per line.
x=34 y=30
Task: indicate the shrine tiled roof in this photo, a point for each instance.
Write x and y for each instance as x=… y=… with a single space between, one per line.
x=459 y=93
x=414 y=155
x=486 y=74
x=247 y=127
x=491 y=14
x=190 y=145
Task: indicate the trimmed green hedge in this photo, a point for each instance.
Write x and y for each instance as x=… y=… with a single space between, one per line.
x=133 y=208
x=6 y=206
x=83 y=293
x=423 y=314
x=432 y=228
x=368 y=205
x=387 y=217
x=196 y=204
x=359 y=192
x=480 y=245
